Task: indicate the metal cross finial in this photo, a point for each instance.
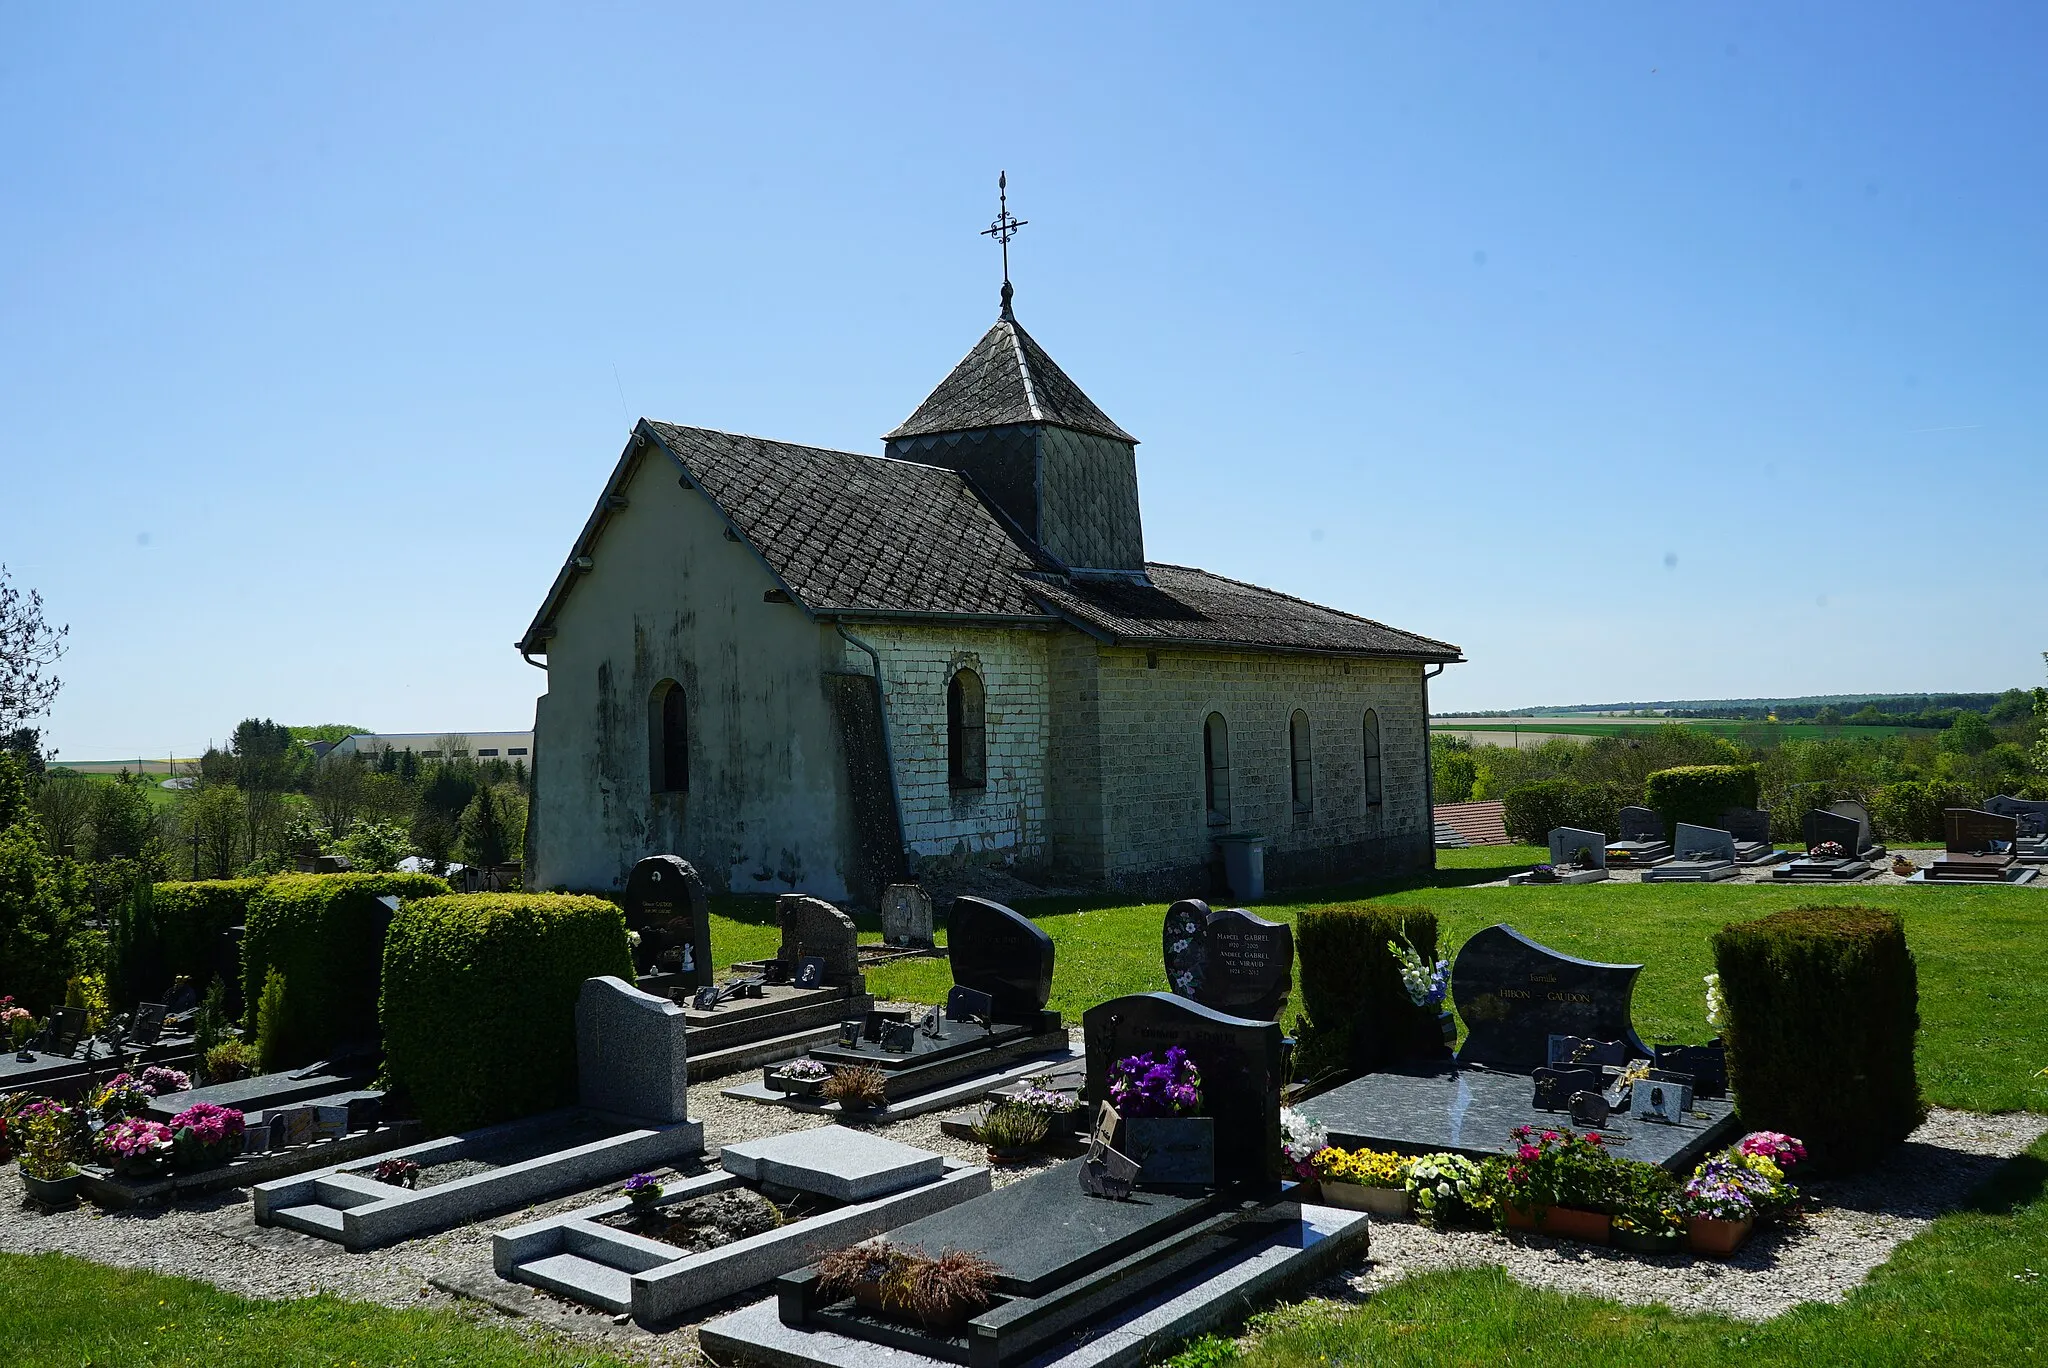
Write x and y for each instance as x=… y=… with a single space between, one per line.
x=1002 y=230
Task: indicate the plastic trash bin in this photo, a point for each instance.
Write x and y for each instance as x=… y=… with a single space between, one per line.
x=1244 y=864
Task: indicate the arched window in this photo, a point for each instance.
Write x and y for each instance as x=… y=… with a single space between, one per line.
x=1373 y=782
x=1303 y=763
x=1216 y=768
x=668 y=739
x=966 y=731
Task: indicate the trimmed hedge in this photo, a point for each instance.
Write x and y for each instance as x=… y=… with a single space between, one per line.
x=1531 y=810
x=1699 y=794
x=479 y=1005
x=1911 y=810
x=325 y=934
x=1355 y=1013
x=1822 y=1007
x=192 y=915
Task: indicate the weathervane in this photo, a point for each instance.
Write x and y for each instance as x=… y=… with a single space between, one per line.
x=1002 y=230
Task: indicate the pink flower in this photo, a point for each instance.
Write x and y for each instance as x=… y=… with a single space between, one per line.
x=1551 y=1136
x=1528 y=1152
x=1593 y=1138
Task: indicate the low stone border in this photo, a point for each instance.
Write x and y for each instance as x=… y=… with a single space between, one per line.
x=103 y=1187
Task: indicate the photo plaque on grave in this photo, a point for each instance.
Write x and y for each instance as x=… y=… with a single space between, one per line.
x=899 y=1037
x=148 y=1026
x=810 y=972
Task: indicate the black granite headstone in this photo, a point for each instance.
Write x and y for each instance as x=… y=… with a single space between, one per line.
x=2031 y=815
x=1514 y=994
x=1641 y=824
x=1002 y=953
x=667 y=906
x=148 y=1026
x=1230 y=960
x=1239 y=1061
x=1820 y=826
x=1979 y=833
x=1555 y=1087
x=1747 y=824
x=1708 y=1065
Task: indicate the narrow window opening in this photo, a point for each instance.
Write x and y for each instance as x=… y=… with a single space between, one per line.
x=966 y=731
x=668 y=740
x=1216 y=769
x=1303 y=763
x=1372 y=759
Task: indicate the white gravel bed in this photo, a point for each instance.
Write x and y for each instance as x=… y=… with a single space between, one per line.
x=1861 y=1221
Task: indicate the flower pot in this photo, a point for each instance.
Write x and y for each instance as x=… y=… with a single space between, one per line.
x=1172 y=1149
x=796 y=1087
x=1716 y=1239
x=1564 y=1223
x=55 y=1192
x=1647 y=1242
x=1393 y=1203
x=1011 y=1154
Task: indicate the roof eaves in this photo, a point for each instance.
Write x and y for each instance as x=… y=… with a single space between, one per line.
x=1306 y=603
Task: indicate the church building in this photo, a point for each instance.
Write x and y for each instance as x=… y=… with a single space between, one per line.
x=823 y=671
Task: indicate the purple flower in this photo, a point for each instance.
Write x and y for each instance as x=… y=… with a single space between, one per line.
x=1145 y=1085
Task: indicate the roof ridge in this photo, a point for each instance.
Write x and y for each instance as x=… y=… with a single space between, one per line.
x=801 y=446
x=1024 y=369
x=1306 y=603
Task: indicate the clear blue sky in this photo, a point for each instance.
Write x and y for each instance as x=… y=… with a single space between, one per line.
x=1640 y=350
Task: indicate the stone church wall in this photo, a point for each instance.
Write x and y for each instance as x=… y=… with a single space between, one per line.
x=1007 y=817
x=668 y=597
x=1151 y=832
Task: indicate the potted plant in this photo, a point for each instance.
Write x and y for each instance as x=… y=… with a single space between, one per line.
x=1450 y=1190
x=42 y=1132
x=1011 y=1130
x=1648 y=1217
x=121 y=1097
x=800 y=1078
x=135 y=1148
x=858 y=1091
x=17 y=1023
x=1061 y=1109
x=1720 y=1206
x=229 y=1061
x=1160 y=1099
x=939 y=1294
x=1543 y=873
x=206 y=1136
x=1366 y=1180
x=1560 y=1183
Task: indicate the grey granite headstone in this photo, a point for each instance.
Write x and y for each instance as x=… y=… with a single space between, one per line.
x=1239 y=1062
x=1641 y=824
x=1230 y=960
x=666 y=906
x=1747 y=824
x=1703 y=843
x=833 y=1161
x=2032 y=816
x=814 y=927
x=1514 y=994
x=907 y=915
x=1567 y=842
x=1859 y=814
x=631 y=1058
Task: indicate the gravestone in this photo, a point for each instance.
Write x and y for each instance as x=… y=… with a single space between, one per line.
x=1001 y=953
x=666 y=905
x=1239 y=1062
x=1822 y=825
x=1514 y=994
x=1641 y=824
x=1979 y=833
x=1230 y=960
x=1703 y=843
x=1707 y=1065
x=812 y=927
x=1567 y=842
x=148 y=1026
x=2032 y=816
x=1859 y=814
x=907 y=916
x=630 y=1053
x=66 y=1028
x=1747 y=825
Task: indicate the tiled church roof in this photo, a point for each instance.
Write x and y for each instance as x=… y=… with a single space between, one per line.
x=1007 y=378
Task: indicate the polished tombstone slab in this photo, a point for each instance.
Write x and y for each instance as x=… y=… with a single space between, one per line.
x=1751 y=828
x=1831 y=841
x=1230 y=960
x=997 y=951
x=1569 y=846
x=1982 y=847
x=666 y=906
x=1514 y=994
x=1704 y=855
x=832 y=1161
x=2031 y=842
x=1643 y=839
x=1866 y=831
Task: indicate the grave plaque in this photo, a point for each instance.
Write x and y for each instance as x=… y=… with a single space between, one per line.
x=1703 y=843
x=1567 y=842
x=1708 y=1065
x=1658 y=1101
x=1230 y=960
x=294 y=1125
x=1514 y=994
x=184 y=997
x=1555 y=1086
x=148 y=1026
x=1589 y=1109
x=1979 y=833
x=66 y=1028
x=666 y=906
x=968 y=1004
x=329 y=1123
x=1860 y=815
x=1747 y=825
x=899 y=1037
x=852 y=1032
x=814 y=929
x=1821 y=826
x=1001 y=953
x=907 y=916
x=1570 y=1051
x=1641 y=824
x=810 y=972
x=1239 y=1062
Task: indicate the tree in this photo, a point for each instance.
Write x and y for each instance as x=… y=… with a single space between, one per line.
x=122 y=822
x=26 y=745
x=40 y=902
x=214 y=814
x=1969 y=734
x=64 y=806
x=29 y=646
x=338 y=792
x=485 y=841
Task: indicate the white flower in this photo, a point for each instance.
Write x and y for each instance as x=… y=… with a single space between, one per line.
x=1717 y=1006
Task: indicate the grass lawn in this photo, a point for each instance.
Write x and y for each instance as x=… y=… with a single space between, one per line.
x=61 y=1312
x=1982 y=952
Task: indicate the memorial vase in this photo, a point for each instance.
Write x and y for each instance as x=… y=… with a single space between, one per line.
x=798 y=1087
x=1393 y=1203
x=1716 y=1238
x=1564 y=1223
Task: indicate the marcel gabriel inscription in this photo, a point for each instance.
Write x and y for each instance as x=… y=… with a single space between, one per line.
x=1514 y=994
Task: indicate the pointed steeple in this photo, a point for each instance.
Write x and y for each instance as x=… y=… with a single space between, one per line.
x=1007 y=378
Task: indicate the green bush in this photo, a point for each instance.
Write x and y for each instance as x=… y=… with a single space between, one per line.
x=1531 y=810
x=192 y=915
x=277 y=1044
x=42 y=905
x=1911 y=810
x=479 y=1005
x=325 y=934
x=1699 y=794
x=1822 y=1007
x=1355 y=1013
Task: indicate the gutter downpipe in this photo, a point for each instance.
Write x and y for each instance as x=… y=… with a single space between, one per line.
x=1429 y=762
x=888 y=748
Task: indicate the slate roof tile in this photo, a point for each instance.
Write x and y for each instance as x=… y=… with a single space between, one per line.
x=1007 y=378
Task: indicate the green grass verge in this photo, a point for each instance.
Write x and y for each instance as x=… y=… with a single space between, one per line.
x=1982 y=952
x=61 y=1312
x=1972 y=1288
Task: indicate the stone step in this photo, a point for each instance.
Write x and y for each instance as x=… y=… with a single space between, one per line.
x=314 y=1220
x=740 y=1058
x=584 y=1280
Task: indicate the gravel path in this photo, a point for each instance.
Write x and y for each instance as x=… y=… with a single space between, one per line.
x=215 y=1239
x=1861 y=1221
